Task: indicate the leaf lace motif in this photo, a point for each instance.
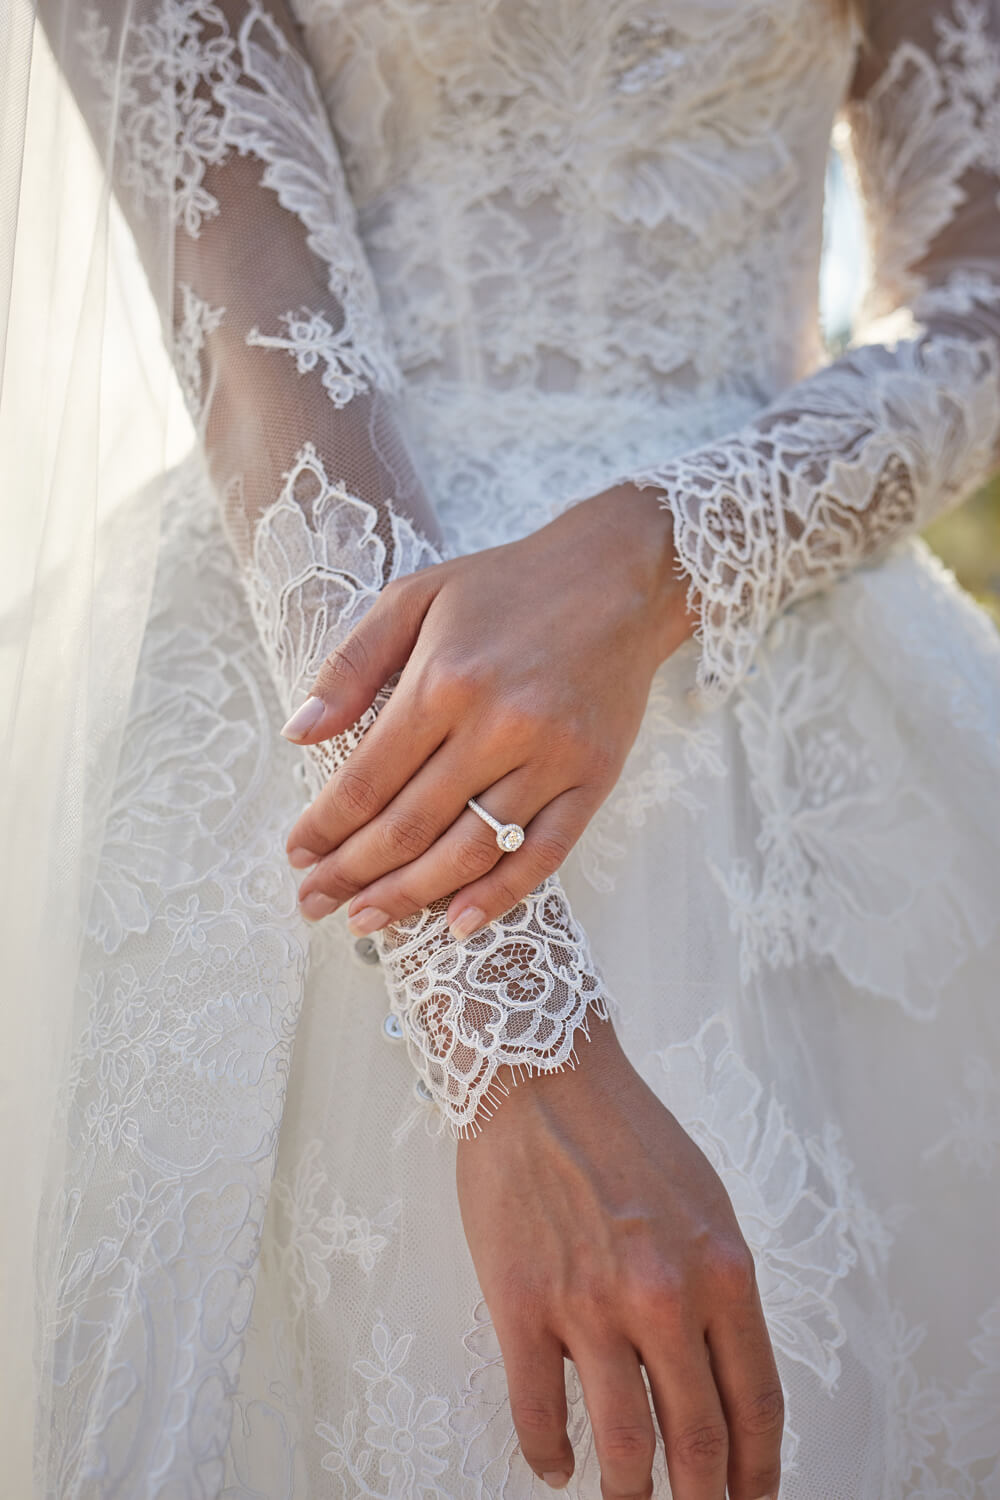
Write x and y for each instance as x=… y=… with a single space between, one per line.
x=871 y=447
x=512 y=995
x=321 y=553
x=828 y=476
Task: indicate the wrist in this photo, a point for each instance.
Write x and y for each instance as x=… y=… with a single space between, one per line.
x=646 y=528
x=598 y=1074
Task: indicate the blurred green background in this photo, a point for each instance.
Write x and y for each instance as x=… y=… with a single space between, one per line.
x=967 y=539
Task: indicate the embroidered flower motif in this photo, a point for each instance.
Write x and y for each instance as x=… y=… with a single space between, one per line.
x=163 y=97
x=783 y=1204
x=850 y=844
x=313 y=1229
x=404 y=1432
x=175 y=774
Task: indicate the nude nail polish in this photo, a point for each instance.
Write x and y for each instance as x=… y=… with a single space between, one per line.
x=467 y=922
x=368 y=919
x=316 y=905
x=556 y=1480
x=301 y=859
x=304 y=718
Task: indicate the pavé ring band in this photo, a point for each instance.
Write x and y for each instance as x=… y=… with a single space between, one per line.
x=510 y=836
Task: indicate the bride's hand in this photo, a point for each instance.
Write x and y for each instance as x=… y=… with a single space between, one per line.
x=525 y=674
x=599 y=1231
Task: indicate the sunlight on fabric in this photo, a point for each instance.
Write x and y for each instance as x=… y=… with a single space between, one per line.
x=844 y=269
x=90 y=415
x=70 y=454
x=88 y=285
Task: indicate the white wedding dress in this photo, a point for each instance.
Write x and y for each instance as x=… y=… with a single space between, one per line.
x=548 y=245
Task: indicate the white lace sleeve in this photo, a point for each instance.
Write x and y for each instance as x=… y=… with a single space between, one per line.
x=273 y=320
x=907 y=421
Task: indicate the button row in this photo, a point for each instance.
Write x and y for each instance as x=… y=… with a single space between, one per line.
x=392 y=1029
x=366 y=950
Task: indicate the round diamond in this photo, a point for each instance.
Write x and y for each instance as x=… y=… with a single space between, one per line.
x=510 y=837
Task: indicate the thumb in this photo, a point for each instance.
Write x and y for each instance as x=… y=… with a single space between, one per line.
x=371 y=653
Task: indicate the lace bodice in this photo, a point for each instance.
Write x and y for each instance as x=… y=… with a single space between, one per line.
x=544 y=219
x=594 y=197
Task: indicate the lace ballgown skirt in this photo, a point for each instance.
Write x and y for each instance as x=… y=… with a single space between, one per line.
x=255 y=1280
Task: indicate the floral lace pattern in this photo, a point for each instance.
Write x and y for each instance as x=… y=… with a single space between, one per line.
x=798 y=894
x=843 y=465
x=321 y=553
x=681 y=127
x=859 y=454
x=513 y=995
x=252 y=1276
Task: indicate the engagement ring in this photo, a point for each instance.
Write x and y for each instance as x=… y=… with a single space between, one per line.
x=510 y=836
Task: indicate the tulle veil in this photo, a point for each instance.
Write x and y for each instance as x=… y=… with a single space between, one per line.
x=90 y=417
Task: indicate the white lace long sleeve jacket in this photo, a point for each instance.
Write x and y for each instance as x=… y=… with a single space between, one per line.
x=907 y=421
x=272 y=316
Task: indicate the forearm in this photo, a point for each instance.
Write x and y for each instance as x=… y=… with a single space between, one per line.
x=844 y=463
x=907 y=421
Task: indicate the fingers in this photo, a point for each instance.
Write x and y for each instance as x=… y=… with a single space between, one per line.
x=621 y=1420
x=747 y=1379
x=467 y=850
x=536 y=1385
x=395 y=748
x=689 y=1411
x=548 y=840
x=412 y=831
x=377 y=647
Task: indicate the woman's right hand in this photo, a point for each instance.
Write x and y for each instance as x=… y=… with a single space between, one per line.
x=600 y=1231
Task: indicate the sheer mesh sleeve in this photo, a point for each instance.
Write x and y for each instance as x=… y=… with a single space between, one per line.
x=219 y=132
x=907 y=421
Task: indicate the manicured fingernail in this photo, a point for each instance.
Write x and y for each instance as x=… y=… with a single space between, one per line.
x=316 y=905
x=768 y=1497
x=301 y=859
x=557 y=1480
x=304 y=719
x=467 y=922
x=368 y=919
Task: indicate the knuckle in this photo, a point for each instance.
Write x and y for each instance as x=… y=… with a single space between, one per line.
x=551 y=849
x=628 y=1441
x=407 y=833
x=459 y=681
x=401 y=901
x=591 y=1300
x=392 y=593
x=569 y=742
x=475 y=857
x=731 y=1270
x=702 y=1446
x=534 y=1415
x=657 y=1295
x=332 y=882
x=355 y=794
x=764 y=1414
x=346 y=664
x=503 y=896
x=521 y=723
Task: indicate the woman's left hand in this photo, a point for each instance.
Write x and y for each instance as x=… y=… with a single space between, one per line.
x=525 y=672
